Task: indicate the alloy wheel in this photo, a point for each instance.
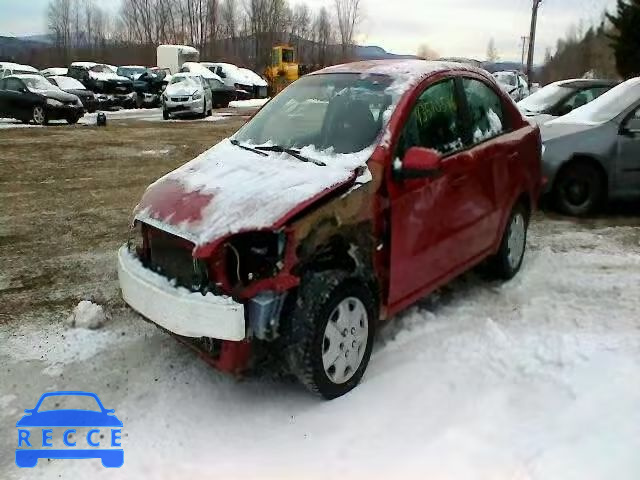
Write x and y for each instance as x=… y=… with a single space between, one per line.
x=516 y=240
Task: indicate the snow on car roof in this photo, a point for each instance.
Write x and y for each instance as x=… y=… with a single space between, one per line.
x=17 y=66
x=405 y=73
x=84 y=64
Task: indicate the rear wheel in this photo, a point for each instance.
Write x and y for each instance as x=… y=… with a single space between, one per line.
x=165 y=112
x=73 y=119
x=139 y=100
x=332 y=328
x=507 y=262
x=39 y=115
x=579 y=189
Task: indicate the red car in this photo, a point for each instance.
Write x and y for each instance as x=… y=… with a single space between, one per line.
x=356 y=191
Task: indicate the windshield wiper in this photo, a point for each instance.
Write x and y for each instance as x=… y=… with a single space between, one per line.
x=244 y=147
x=291 y=151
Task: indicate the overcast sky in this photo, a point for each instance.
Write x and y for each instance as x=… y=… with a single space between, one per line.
x=451 y=27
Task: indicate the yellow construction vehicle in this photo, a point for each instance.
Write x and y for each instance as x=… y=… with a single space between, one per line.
x=283 y=69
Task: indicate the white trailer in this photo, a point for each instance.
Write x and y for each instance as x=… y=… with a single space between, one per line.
x=173 y=56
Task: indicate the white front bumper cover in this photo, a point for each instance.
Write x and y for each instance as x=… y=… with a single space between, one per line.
x=175 y=308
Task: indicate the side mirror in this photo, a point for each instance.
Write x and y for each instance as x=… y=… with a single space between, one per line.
x=418 y=162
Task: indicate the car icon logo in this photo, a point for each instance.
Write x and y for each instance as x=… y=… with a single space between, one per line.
x=79 y=433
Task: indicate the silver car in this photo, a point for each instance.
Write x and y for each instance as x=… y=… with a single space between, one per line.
x=187 y=94
x=593 y=153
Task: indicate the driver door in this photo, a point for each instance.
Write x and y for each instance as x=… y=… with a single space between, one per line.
x=627 y=161
x=424 y=249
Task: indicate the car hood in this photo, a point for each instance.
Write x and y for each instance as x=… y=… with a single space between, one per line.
x=56 y=94
x=108 y=77
x=227 y=190
x=181 y=89
x=553 y=130
x=80 y=93
x=69 y=418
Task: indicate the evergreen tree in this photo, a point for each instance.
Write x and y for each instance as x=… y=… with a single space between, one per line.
x=626 y=37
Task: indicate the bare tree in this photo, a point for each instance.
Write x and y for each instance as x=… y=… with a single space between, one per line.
x=492 y=52
x=59 y=24
x=427 y=53
x=348 y=15
x=323 y=36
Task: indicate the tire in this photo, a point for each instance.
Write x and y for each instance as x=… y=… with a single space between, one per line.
x=165 y=114
x=73 y=119
x=346 y=302
x=225 y=104
x=139 y=101
x=579 y=189
x=508 y=261
x=39 y=115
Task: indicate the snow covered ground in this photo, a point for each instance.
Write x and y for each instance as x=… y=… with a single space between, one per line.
x=534 y=379
x=255 y=103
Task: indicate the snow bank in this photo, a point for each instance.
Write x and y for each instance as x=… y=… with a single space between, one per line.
x=534 y=379
x=254 y=103
x=87 y=315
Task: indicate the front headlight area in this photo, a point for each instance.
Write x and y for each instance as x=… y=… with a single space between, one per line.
x=254 y=256
x=137 y=241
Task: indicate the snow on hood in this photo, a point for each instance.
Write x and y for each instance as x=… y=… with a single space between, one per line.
x=107 y=76
x=253 y=78
x=227 y=190
x=182 y=89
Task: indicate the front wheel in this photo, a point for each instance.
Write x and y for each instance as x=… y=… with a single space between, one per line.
x=165 y=113
x=507 y=262
x=73 y=119
x=332 y=328
x=39 y=115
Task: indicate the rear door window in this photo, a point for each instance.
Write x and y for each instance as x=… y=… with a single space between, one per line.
x=486 y=115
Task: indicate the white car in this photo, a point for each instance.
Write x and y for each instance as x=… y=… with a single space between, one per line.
x=248 y=84
x=8 y=68
x=514 y=83
x=54 y=72
x=187 y=94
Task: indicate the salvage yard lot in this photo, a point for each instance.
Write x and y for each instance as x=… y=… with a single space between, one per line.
x=67 y=194
x=535 y=379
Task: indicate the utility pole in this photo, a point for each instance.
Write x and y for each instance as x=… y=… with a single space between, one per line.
x=524 y=39
x=532 y=37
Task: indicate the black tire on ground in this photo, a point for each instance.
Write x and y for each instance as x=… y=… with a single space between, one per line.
x=225 y=104
x=165 y=114
x=73 y=119
x=139 y=100
x=25 y=120
x=579 y=189
x=506 y=264
x=318 y=298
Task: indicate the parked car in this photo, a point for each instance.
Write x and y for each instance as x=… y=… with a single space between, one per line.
x=187 y=94
x=221 y=94
x=7 y=68
x=559 y=98
x=353 y=193
x=111 y=89
x=514 y=83
x=131 y=71
x=592 y=154
x=54 y=71
x=149 y=86
x=73 y=86
x=260 y=85
x=233 y=76
x=29 y=97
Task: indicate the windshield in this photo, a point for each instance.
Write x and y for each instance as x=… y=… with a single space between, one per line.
x=506 y=78
x=186 y=80
x=607 y=106
x=68 y=83
x=545 y=98
x=69 y=402
x=38 y=83
x=130 y=72
x=101 y=69
x=341 y=112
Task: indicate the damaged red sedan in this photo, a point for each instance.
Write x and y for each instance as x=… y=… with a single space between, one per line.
x=353 y=193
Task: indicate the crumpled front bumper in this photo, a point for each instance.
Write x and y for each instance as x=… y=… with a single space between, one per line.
x=177 y=309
